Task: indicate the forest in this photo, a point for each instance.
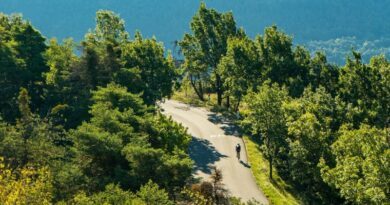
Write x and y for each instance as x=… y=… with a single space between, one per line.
x=80 y=121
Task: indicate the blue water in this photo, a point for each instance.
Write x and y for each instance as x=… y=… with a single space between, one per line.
x=168 y=20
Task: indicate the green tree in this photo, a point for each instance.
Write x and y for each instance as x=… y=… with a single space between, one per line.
x=60 y=59
x=277 y=54
x=281 y=63
x=9 y=81
x=365 y=87
x=266 y=118
x=207 y=44
x=153 y=195
x=321 y=73
x=98 y=144
x=145 y=59
x=125 y=142
x=240 y=68
x=32 y=140
x=23 y=64
x=25 y=186
x=362 y=165
x=313 y=121
x=112 y=194
x=110 y=27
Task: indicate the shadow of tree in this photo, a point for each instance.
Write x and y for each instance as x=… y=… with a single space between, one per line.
x=224 y=123
x=204 y=154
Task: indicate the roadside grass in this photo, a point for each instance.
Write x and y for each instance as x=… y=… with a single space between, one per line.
x=276 y=191
x=188 y=96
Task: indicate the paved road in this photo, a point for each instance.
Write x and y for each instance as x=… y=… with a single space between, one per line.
x=213 y=145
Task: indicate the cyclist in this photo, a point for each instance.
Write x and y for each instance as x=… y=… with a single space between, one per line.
x=238 y=150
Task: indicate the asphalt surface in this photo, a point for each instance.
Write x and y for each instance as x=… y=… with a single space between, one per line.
x=213 y=144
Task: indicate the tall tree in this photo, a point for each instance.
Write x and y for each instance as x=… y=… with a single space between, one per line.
x=281 y=63
x=110 y=27
x=366 y=88
x=312 y=125
x=361 y=171
x=23 y=64
x=240 y=68
x=322 y=73
x=266 y=118
x=208 y=43
x=146 y=59
x=32 y=140
x=25 y=186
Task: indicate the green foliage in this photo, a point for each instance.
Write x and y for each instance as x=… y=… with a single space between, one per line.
x=110 y=27
x=25 y=186
x=240 y=68
x=32 y=140
x=22 y=63
x=321 y=73
x=153 y=195
x=361 y=171
x=366 y=87
x=167 y=134
x=126 y=143
x=266 y=118
x=112 y=194
x=156 y=72
x=60 y=59
x=206 y=45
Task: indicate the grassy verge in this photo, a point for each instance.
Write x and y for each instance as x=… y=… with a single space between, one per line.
x=189 y=96
x=276 y=191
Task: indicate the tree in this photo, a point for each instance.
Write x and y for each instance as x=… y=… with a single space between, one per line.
x=110 y=27
x=312 y=121
x=32 y=140
x=60 y=59
x=31 y=47
x=281 y=63
x=207 y=44
x=153 y=195
x=146 y=58
x=9 y=81
x=22 y=62
x=365 y=87
x=98 y=144
x=321 y=73
x=240 y=68
x=61 y=88
x=25 y=186
x=362 y=165
x=266 y=118
x=112 y=194
x=277 y=54
x=125 y=143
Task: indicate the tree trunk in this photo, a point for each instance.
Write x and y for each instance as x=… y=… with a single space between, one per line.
x=199 y=92
x=237 y=104
x=270 y=167
x=270 y=156
x=228 y=102
x=219 y=89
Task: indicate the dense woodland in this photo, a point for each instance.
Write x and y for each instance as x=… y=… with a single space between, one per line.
x=80 y=122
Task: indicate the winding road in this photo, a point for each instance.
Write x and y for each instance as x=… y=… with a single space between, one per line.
x=213 y=144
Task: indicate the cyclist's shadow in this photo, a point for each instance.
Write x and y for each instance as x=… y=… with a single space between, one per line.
x=245 y=164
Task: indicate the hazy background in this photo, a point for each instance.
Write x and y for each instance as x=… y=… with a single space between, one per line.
x=334 y=26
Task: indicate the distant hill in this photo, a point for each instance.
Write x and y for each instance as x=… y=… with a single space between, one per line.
x=312 y=23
